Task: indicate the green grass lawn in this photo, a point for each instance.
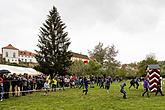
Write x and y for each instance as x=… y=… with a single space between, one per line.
x=96 y=99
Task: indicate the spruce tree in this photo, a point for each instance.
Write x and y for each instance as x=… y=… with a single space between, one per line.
x=53 y=55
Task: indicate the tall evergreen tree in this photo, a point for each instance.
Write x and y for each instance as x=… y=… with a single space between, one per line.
x=53 y=55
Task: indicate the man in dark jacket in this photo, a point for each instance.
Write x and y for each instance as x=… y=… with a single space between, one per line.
x=13 y=83
x=107 y=84
x=1 y=88
x=6 y=84
x=159 y=88
x=132 y=83
x=86 y=82
x=122 y=89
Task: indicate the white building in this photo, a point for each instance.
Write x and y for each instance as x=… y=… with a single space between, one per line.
x=14 y=55
x=26 y=56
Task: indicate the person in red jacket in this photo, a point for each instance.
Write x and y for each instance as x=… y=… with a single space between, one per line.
x=73 y=77
x=1 y=88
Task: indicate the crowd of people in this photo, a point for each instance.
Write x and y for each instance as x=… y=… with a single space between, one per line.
x=20 y=85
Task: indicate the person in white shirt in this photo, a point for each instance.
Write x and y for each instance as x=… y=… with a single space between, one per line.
x=46 y=87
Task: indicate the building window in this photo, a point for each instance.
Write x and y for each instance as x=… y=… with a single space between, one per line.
x=30 y=60
x=25 y=60
x=7 y=54
x=14 y=55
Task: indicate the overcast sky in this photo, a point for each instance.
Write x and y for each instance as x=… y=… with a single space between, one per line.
x=135 y=27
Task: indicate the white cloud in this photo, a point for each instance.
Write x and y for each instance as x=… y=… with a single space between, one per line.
x=135 y=27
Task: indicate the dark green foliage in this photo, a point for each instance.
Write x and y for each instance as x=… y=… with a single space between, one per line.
x=93 y=68
x=162 y=68
x=53 y=55
x=106 y=57
x=143 y=64
x=78 y=67
x=98 y=53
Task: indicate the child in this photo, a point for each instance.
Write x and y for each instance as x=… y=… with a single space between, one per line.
x=46 y=87
x=122 y=90
x=146 y=86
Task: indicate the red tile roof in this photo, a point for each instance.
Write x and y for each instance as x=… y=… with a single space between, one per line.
x=77 y=55
x=10 y=47
x=26 y=53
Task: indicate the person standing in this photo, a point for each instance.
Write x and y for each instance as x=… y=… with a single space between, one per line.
x=46 y=87
x=122 y=90
x=107 y=84
x=13 y=83
x=25 y=84
x=54 y=84
x=6 y=85
x=1 y=88
x=17 y=87
x=146 y=87
x=67 y=80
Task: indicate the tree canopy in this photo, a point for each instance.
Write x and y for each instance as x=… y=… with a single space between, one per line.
x=144 y=63
x=53 y=55
x=106 y=57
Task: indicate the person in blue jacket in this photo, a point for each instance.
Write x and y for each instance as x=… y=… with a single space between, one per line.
x=146 y=87
x=86 y=86
x=122 y=89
